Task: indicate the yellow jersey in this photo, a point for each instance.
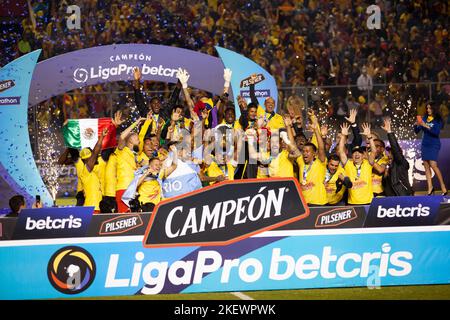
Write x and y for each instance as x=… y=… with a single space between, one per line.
x=236 y=125
x=110 y=176
x=281 y=166
x=101 y=173
x=215 y=170
x=150 y=191
x=126 y=165
x=79 y=168
x=377 y=185
x=361 y=178
x=330 y=186
x=311 y=178
x=91 y=186
x=274 y=122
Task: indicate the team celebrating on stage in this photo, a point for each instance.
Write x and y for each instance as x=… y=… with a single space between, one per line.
x=175 y=148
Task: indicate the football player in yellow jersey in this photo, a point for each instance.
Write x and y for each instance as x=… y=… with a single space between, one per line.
x=335 y=181
x=219 y=166
x=312 y=168
x=149 y=186
x=358 y=169
x=126 y=152
x=229 y=117
x=379 y=167
x=173 y=130
x=273 y=120
x=282 y=165
x=150 y=149
x=108 y=203
x=89 y=178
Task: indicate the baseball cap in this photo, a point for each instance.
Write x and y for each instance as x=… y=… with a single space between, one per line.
x=85 y=153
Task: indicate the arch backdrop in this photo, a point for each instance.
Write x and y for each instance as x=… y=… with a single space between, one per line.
x=25 y=83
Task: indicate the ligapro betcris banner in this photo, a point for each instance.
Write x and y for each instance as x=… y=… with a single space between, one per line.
x=109 y=266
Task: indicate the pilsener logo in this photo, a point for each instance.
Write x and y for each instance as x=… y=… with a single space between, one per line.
x=5 y=85
x=335 y=217
x=225 y=213
x=121 y=224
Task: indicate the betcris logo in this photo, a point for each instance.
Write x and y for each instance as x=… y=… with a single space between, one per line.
x=53 y=223
x=403 y=211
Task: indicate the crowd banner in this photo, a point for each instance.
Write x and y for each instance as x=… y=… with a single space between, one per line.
x=272 y=260
x=53 y=223
x=403 y=211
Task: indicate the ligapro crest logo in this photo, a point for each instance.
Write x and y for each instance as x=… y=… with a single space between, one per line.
x=71 y=270
x=80 y=75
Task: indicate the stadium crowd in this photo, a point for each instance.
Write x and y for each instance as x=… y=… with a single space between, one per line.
x=302 y=43
x=370 y=74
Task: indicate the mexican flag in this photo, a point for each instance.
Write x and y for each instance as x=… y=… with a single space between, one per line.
x=83 y=133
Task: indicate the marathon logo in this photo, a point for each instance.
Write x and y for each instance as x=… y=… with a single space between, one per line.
x=121 y=224
x=5 y=101
x=6 y=84
x=225 y=213
x=335 y=217
x=258 y=93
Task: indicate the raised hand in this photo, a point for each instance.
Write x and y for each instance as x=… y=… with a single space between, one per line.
x=287 y=120
x=352 y=117
x=298 y=120
x=242 y=103
x=137 y=74
x=344 y=129
x=227 y=77
x=140 y=120
x=183 y=76
x=117 y=120
x=313 y=118
x=386 y=125
x=366 y=129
